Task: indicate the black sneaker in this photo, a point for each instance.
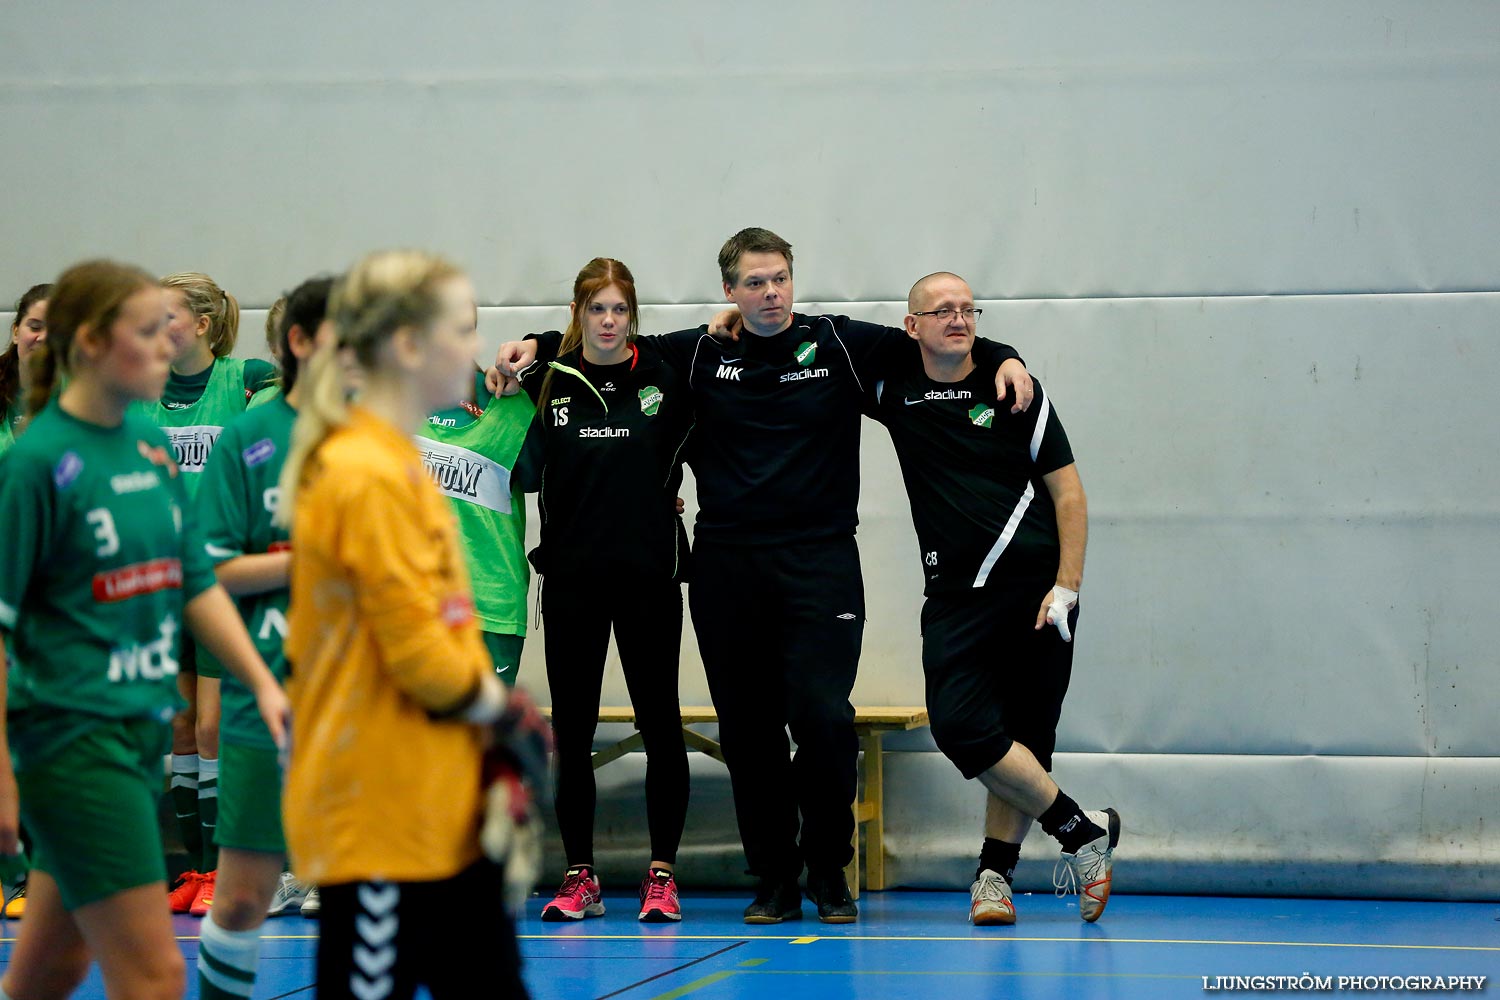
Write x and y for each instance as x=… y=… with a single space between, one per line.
x=775 y=900
x=830 y=892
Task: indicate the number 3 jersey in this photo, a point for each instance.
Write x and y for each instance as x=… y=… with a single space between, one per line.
x=237 y=499
x=97 y=559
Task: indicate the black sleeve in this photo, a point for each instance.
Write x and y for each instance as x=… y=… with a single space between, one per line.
x=533 y=375
x=1053 y=451
x=874 y=350
x=547 y=344
x=676 y=349
x=993 y=353
x=527 y=472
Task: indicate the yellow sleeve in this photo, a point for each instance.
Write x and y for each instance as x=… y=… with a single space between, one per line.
x=408 y=581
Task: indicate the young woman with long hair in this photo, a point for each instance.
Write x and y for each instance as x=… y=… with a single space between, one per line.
x=206 y=388
x=390 y=682
x=605 y=452
x=101 y=568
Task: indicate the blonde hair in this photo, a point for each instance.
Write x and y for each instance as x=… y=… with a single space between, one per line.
x=387 y=291
x=273 y=323
x=205 y=298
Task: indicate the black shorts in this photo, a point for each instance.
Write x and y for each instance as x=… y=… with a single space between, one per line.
x=387 y=938
x=992 y=678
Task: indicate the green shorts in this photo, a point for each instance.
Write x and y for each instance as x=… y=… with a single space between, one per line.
x=206 y=664
x=90 y=808
x=505 y=650
x=249 y=799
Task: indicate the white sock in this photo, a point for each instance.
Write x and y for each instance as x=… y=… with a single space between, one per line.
x=227 y=959
x=185 y=770
x=208 y=777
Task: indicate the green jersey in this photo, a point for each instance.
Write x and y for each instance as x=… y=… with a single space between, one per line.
x=184 y=390
x=98 y=557
x=264 y=396
x=235 y=504
x=10 y=422
x=193 y=428
x=470 y=455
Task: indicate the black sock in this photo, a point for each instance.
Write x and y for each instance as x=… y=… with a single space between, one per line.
x=1065 y=822
x=999 y=856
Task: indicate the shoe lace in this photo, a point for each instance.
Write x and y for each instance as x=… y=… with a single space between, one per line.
x=658 y=890
x=187 y=879
x=1073 y=870
x=573 y=883
x=989 y=889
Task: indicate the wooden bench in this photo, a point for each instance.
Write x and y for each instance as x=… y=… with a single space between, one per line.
x=871 y=725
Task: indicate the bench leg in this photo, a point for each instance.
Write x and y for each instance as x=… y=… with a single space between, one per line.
x=874 y=812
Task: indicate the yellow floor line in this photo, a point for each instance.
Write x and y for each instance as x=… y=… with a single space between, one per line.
x=694 y=986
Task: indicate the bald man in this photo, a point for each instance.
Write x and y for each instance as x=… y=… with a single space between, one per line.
x=1002 y=522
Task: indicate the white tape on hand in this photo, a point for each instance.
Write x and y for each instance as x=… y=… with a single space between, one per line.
x=1063 y=601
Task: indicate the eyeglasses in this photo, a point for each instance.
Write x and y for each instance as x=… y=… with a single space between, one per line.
x=944 y=315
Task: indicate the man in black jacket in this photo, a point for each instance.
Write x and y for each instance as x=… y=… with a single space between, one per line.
x=1002 y=522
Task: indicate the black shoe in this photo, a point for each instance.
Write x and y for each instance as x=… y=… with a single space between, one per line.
x=775 y=900
x=830 y=892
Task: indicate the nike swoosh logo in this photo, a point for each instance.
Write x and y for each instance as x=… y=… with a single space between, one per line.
x=728 y=361
x=914 y=402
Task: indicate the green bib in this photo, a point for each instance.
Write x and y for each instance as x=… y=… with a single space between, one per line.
x=194 y=429
x=9 y=417
x=472 y=466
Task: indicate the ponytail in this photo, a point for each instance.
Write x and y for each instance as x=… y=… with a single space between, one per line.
x=386 y=291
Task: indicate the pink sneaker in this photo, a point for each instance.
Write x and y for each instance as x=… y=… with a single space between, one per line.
x=659 y=903
x=579 y=896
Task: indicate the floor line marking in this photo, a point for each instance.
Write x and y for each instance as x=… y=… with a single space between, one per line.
x=695 y=985
x=686 y=965
x=1008 y=938
x=803 y=940
x=751 y=962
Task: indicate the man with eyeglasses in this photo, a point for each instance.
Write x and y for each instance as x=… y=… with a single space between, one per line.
x=776 y=593
x=1002 y=522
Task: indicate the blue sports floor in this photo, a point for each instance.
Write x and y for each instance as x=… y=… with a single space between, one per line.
x=918 y=944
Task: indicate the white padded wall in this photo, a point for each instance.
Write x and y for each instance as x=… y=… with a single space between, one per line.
x=1250 y=248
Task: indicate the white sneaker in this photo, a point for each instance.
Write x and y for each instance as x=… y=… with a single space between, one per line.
x=990 y=901
x=289 y=896
x=1090 y=871
x=312 y=905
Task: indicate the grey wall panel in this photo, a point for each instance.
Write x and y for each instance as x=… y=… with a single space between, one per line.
x=1227 y=824
x=1052 y=150
x=1208 y=824
x=1244 y=246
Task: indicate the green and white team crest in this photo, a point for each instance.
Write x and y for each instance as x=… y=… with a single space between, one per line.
x=650 y=400
x=983 y=416
x=806 y=352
